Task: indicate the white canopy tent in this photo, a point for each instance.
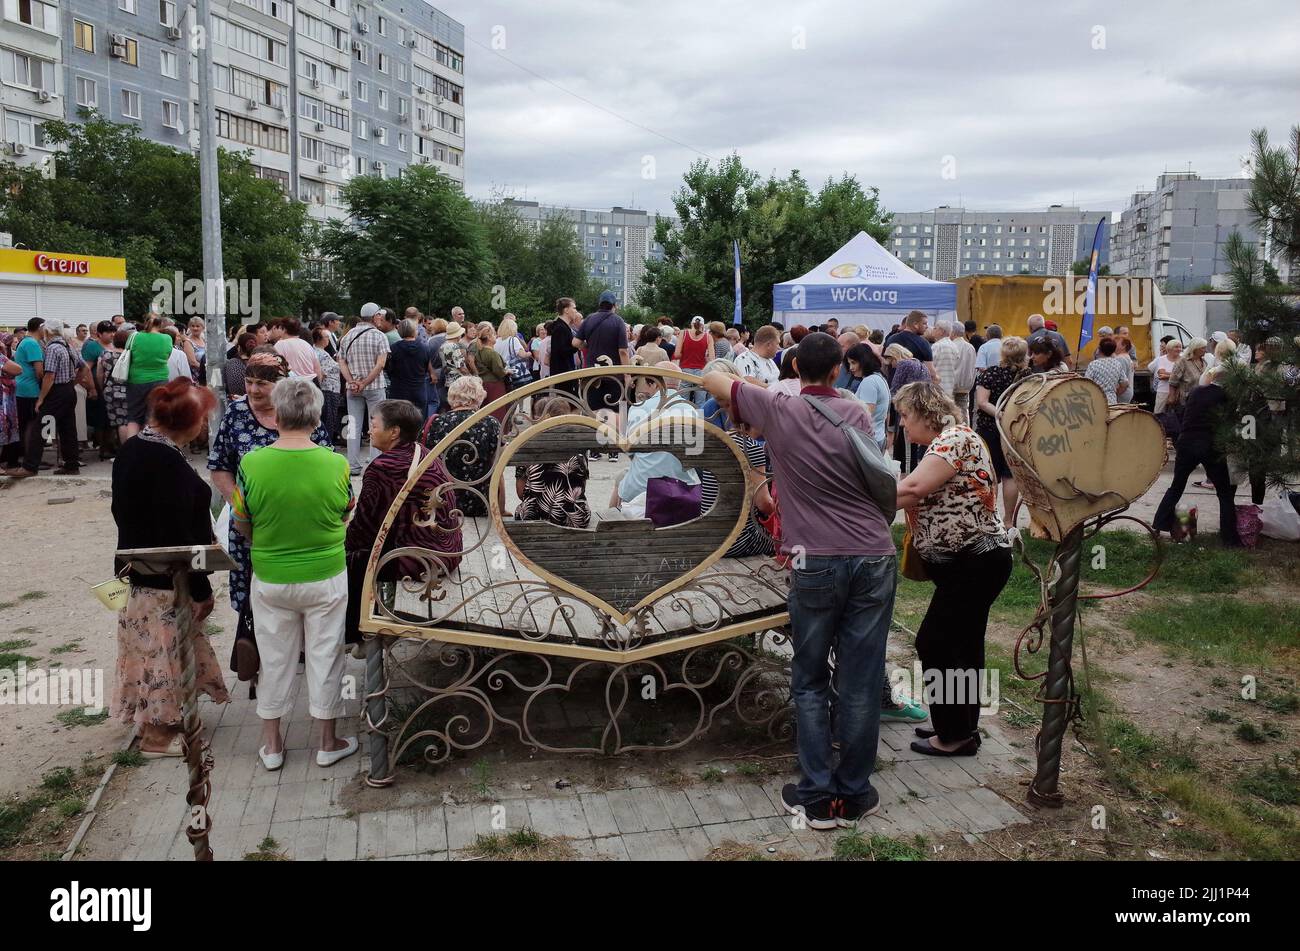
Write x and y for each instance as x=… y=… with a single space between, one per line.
x=861 y=283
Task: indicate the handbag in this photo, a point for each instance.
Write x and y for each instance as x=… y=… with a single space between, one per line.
x=911 y=565
x=518 y=369
x=877 y=474
x=670 y=501
x=122 y=368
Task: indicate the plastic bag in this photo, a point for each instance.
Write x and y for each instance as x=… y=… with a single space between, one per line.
x=1279 y=519
x=221 y=528
x=1248 y=524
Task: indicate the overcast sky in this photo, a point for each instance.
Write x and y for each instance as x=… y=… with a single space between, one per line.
x=1011 y=96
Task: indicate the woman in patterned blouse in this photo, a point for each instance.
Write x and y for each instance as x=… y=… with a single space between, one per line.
x=554 y=492
x=951 y=501
x=469 y=459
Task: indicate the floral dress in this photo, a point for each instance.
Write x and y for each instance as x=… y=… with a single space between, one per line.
x=472 y=463
x=961 y=516
x=114 y=392
x=8 y=402
x=240 y=434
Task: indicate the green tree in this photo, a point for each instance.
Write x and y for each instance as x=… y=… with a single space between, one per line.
x=1080 y=268
x=782 y=226
x=1261 y=429
x=414 y=240
x=117 y=194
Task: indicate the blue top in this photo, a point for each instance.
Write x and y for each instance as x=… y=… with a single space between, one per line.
x=652 y=465
x=873 y=389
x=29 y=351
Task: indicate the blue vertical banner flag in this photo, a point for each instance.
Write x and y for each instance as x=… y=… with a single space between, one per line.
x=737 y=320
x=1090 y=300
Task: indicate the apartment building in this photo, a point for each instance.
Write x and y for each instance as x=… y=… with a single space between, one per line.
x=315 y=92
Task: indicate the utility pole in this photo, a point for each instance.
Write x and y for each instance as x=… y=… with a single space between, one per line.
x=210 y=202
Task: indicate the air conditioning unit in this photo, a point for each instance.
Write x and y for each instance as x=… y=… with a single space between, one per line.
x=404 y=118
x=118 y=39
x=320 y=127
x=117 y=49
x=356 y=46
x=17 y=148
x=363 y=26
x=322 y=167
x=424 y=160
x=315 y=84
x=377 y=132
x=427 y=126
x=173 y=32
x=420 y=90
x=344 y=94
x=43 y=96
x=376 y=166
x=252 y=105
x=441 y=100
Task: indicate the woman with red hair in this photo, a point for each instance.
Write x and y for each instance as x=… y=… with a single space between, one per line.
x=159 y=501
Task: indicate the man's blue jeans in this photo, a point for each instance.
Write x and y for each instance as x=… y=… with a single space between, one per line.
x=843 y=603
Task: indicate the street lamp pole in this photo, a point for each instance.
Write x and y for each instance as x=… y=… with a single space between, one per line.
x=210 y=203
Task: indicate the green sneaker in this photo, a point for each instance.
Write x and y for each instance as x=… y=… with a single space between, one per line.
x=909 y=711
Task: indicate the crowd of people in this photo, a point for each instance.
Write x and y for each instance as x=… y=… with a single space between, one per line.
x=390 y=388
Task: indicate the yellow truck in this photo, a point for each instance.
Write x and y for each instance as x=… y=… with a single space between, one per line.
x=1132 y=302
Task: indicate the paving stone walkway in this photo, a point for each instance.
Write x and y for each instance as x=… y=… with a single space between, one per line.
x=302 y=806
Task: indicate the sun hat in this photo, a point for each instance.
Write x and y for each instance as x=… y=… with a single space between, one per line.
x=455 y=331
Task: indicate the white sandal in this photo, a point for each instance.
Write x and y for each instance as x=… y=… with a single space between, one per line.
x=329 y=758
x=272 y=761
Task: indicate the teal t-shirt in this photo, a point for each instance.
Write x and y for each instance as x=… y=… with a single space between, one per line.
x=29 y=351
x=90 y=352
x=149 y=355
x=297 y=500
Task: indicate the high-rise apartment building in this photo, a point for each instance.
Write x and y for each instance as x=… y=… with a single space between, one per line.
x=948 y=243
x=315 y=91
x=617 y=242
x=1175 y=233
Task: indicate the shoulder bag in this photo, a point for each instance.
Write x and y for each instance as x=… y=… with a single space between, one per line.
x=877 y=475
x=122 y=368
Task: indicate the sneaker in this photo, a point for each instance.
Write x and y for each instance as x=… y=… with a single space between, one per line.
x=909 y=711
x=850 y=811
x=819 y=814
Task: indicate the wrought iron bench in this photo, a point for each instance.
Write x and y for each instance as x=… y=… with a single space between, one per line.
x=532 y=607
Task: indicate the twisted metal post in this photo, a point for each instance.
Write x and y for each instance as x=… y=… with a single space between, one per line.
x=1058 y=689
x=375 y=713
x=198 y=757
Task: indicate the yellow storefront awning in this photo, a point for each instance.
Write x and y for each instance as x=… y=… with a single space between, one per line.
x=54 y=265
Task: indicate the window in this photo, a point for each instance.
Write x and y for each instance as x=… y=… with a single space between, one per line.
x=363 y=91
x=83 y=35
x=249 y=41
x=126 y=6
x=132 y=53
x=362 y=53
x=22 y=69
x=251 y=132
x=130 y=104
x=167 y=63
x=383 y=62
x=171 y=114
x=403 y=106
x=403 y=72
x=166 y=12
x=87 y=93
x=272 y=8
x=254 y=87
x=401 y=141
x=383 y=98
x=383 y=25
x=363 y=128
x=33 y=13
x=361 y=165
x=381 y=134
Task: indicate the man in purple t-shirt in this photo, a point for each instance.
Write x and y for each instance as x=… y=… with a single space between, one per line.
x=841 y=584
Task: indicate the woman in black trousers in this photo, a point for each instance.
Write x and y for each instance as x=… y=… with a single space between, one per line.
x=951 y=501
x=1202 y=414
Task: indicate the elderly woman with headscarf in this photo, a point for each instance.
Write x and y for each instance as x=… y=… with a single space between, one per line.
x=248 y=424
x=291 y=501
x=470 y=458
x=424 y=519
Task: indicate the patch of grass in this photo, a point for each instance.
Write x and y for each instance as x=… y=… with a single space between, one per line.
x=33 y=595
x=482 y=778
x=1248 y=732
x=1194 y=839
x=15 y=645
x=1019 y=718
x=1241 y=823
x=67 y=648
x=71 y=806
x=1282 y=703
x=856 y=847
x=731 y=851
x=711 y=774
x=1215 y=716
x=11 y=659
x=1235 y=631
x=522 y=845
x=81 y=717
x=59 y=779
x=267 y=851
x=128 y=759
x=1275 y=784
x=749 y=769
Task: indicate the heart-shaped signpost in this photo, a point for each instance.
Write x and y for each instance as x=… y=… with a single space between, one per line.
x=1076 y=461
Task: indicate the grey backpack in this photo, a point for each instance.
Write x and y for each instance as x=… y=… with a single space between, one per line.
x=877 y=475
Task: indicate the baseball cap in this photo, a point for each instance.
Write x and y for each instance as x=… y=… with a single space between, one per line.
x=608 y=297
x=369 y=310
x=54 y=325
x=1049 y=324
x=697 y=319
